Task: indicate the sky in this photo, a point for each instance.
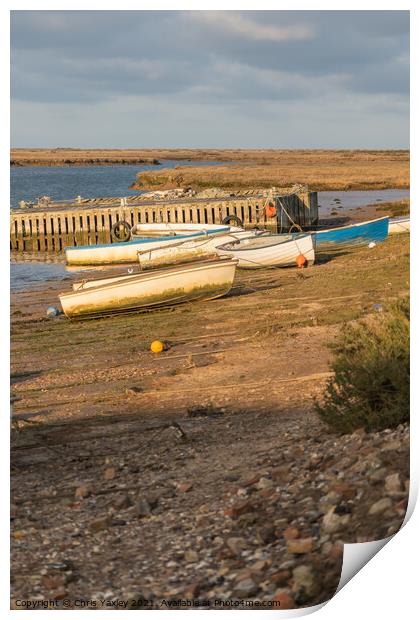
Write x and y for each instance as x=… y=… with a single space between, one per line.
x=215 y=79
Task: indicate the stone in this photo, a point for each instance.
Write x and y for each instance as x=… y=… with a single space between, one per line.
x=191 y=556
x=246 y=588
x=284 y=600
x=300 y=545
x=184 y=487
x=290 y=533
x=333 y=522
x=344 y=489
x=266 y=534
x=236 y=544
x=280 y=578
x=393 y=484
x=238 y=509
x=109 y=473
x=304 y=579
x=264 y=483
x=100 y=524
x=82 y=491
x=143 y=508
x=380 y=506
x=122 y=501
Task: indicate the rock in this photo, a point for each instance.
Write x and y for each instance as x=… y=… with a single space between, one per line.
x=260 y=566
x=391 y=446
x=281 y=475
x=284 y=600
x=82 y=491
x=266 y=534
x=300 y=545
x=280 y=578
x=238 y=509
x=191 y=556
x=251 y=480
x=143 y=508
x=380 y=506
x=236 y=544
x=333 y=522
x=192 y=591
x=100 y=524
x=122 y=501
x=393 y=484
x=184 y=487
x=291 y=533
x=246 y=588
x=304 y=581
x=109 y=473
x=264 y=483
x=344 y=489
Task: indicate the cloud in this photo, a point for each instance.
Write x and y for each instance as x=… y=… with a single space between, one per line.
x=214 y=66
x=236 y=23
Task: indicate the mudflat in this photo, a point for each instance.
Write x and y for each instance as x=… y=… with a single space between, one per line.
x=201 y=472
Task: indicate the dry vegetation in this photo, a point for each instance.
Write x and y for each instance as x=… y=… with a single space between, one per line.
x=320 y=169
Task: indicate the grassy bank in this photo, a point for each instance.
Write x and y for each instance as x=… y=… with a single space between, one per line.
x=321 y=170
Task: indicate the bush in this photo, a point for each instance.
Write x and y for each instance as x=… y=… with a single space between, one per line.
x=370 y=388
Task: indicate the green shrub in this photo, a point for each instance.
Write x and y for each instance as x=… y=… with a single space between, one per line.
x=370 y=387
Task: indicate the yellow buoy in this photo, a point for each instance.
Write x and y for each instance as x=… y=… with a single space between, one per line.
x=157 y=346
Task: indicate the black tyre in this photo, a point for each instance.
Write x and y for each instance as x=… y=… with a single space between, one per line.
x=116 y=231
x=235 y=219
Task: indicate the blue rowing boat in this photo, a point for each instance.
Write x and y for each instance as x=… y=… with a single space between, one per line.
x=359 y=234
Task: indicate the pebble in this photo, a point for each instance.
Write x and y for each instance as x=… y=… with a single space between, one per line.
x=82 y=491
x=380 y=506
x=333 y=522
x=97 y=525
x=245 y=588
x=191 y=556
x=300 y=545
x=304 y=580
x=285 y=599
x=143 y=508
x=109 y=473
x=236 y=544
x=393 y=484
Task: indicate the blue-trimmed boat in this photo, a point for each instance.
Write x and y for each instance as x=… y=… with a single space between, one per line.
x=154 y=235
x=360 y=234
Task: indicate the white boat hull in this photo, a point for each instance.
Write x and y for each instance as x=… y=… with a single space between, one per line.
x=272 y=251
x=161 y=230
x=126 y=252
x=173 y=285
x=399 y=226
x=185 y=251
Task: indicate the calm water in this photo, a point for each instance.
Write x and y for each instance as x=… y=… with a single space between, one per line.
x=64 y=182
x=352 y=200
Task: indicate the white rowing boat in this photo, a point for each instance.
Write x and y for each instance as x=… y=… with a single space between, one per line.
x=270 y=251
x=167 y=229
x=399 y=225
x=185 y=251
x=126 y=252
x=162 y=287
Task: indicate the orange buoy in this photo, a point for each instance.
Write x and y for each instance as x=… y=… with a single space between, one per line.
x=301 y=261
x=157 y=346
x=270 y=210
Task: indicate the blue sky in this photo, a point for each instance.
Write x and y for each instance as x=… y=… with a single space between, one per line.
x=217 y=79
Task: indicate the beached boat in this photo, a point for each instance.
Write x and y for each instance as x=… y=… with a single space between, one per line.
x=270 y=251
x=167 y=229
x=399 y=225
x=185 y=251
x=359 y=234
x=126 y=252
x=173 y=285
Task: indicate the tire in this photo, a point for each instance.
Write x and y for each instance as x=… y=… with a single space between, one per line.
x=115 y=230
x=237 y=221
